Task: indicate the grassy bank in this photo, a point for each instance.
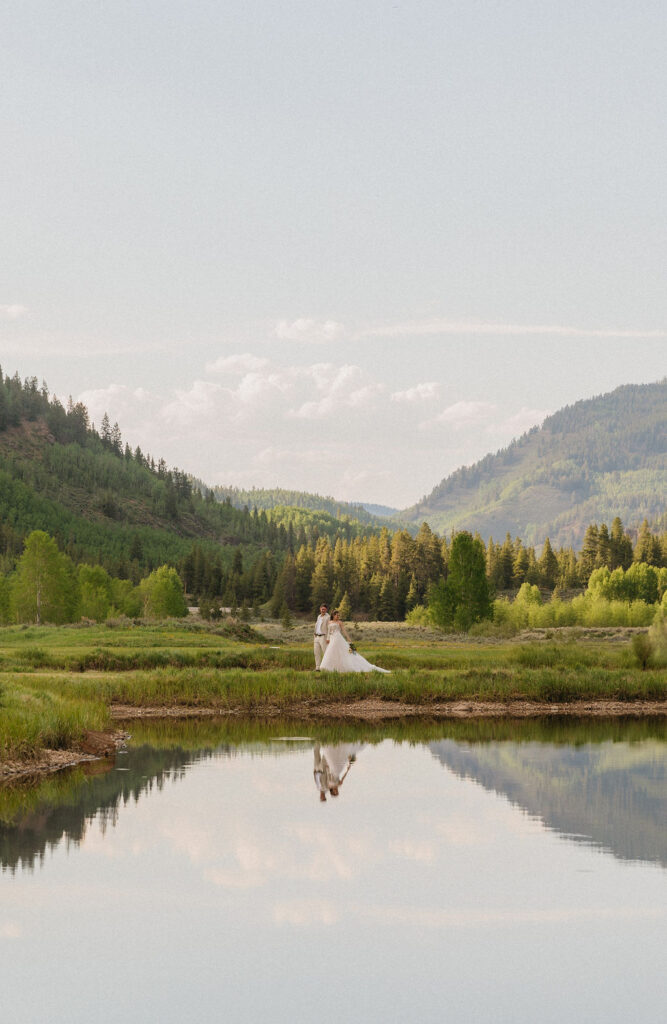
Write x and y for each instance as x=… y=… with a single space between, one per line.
x=57 y=683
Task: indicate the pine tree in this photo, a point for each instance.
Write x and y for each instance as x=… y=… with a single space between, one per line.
x=647 y=548
x=464 y=598
x=548 y=565
x=520 y=563
x=116 y=440
x=507 y=561
x=589 y=554
x=344 y=607
x=105 y=432
x=620 y=546
x=604 y=547
x=387 y=602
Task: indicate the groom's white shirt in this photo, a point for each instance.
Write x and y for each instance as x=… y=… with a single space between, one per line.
x=322 y=624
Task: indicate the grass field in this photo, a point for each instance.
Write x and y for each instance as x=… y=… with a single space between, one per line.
x=57 y=683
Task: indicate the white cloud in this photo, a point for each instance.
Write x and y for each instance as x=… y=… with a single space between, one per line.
x=465 y=414
x=241 y=362
x=418 y=393
x=188 y=406
x=424 y=328
x=305 y=329
x=345 y=389
x=521 y=421
x=12 y=310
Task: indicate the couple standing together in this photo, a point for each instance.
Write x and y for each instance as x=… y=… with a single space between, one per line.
x=333 y=649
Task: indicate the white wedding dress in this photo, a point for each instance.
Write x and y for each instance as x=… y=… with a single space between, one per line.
x=339 y=658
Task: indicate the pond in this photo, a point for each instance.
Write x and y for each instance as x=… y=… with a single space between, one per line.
x=463 y=871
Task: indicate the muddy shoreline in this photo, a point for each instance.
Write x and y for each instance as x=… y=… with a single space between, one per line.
x=374 y=710
x=100 y=746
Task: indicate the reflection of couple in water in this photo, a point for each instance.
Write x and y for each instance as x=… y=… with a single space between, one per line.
x=332 y=765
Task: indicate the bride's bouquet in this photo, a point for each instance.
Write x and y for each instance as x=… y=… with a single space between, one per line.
x=352 y=649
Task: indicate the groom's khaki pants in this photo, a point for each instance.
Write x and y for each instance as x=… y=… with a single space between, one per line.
x=319 y=647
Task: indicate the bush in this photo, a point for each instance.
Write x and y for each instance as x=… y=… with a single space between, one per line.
x=643 y=650
x=418 y=616
x=163 y=595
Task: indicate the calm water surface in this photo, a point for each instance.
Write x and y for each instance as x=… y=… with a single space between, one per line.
x=464 y=872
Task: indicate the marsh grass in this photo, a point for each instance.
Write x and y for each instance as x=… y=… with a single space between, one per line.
x=58 y=682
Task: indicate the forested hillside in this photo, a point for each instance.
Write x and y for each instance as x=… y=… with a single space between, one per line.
x=277 y=497
x=106 y=504
x=124 y=515
x=591 y=461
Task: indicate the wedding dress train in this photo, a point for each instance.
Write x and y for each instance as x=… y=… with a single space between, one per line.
x=339 y=658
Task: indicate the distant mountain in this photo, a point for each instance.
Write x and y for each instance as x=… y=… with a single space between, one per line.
x=270 y=498
x=591 y=461
x=382 y=511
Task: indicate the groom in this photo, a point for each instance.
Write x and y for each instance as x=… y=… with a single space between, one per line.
x=320 y=638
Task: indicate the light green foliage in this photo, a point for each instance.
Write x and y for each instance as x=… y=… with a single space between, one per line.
x=95 y=592
x=643 y=650
x=585 y=610
x=641 y=582
x=162 y=594
x=658 y=634
x=44 y=587
x=418 y=616
x=126 y=598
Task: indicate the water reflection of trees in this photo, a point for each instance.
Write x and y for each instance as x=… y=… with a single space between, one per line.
x=37 y=817
x=603 y=780
x=64 y=808
x=609 y=795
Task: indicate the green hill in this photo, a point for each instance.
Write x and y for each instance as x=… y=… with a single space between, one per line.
x=105 y=503
x=590 y=461
x=278 y=497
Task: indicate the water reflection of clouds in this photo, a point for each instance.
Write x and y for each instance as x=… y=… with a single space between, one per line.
x=309 y=913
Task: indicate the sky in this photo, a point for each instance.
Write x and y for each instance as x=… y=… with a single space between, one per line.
x=336 y=247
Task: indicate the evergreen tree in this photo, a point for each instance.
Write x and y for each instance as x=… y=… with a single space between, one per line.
x=464 y=598
x=386 y=605
x=548 y=566
x=507 y=561
x=647 y=548
x=520 y=563
x=620 y=546
x=105 y=432
x=344 y=607
x=604 y=547
x=589 y=554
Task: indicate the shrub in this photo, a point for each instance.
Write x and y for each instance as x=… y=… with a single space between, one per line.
x=643 y=650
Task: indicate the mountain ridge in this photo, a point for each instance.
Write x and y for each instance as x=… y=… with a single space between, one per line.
x=589 y=461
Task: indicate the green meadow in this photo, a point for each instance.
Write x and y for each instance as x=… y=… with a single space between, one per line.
x=58 y=682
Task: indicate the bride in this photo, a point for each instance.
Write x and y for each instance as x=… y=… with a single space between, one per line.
x=340 y=656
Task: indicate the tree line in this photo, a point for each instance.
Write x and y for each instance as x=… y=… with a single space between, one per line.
x=384 y=575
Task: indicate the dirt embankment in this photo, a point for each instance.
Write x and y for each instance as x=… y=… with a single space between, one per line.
x=95 y=746
x=374 y=710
